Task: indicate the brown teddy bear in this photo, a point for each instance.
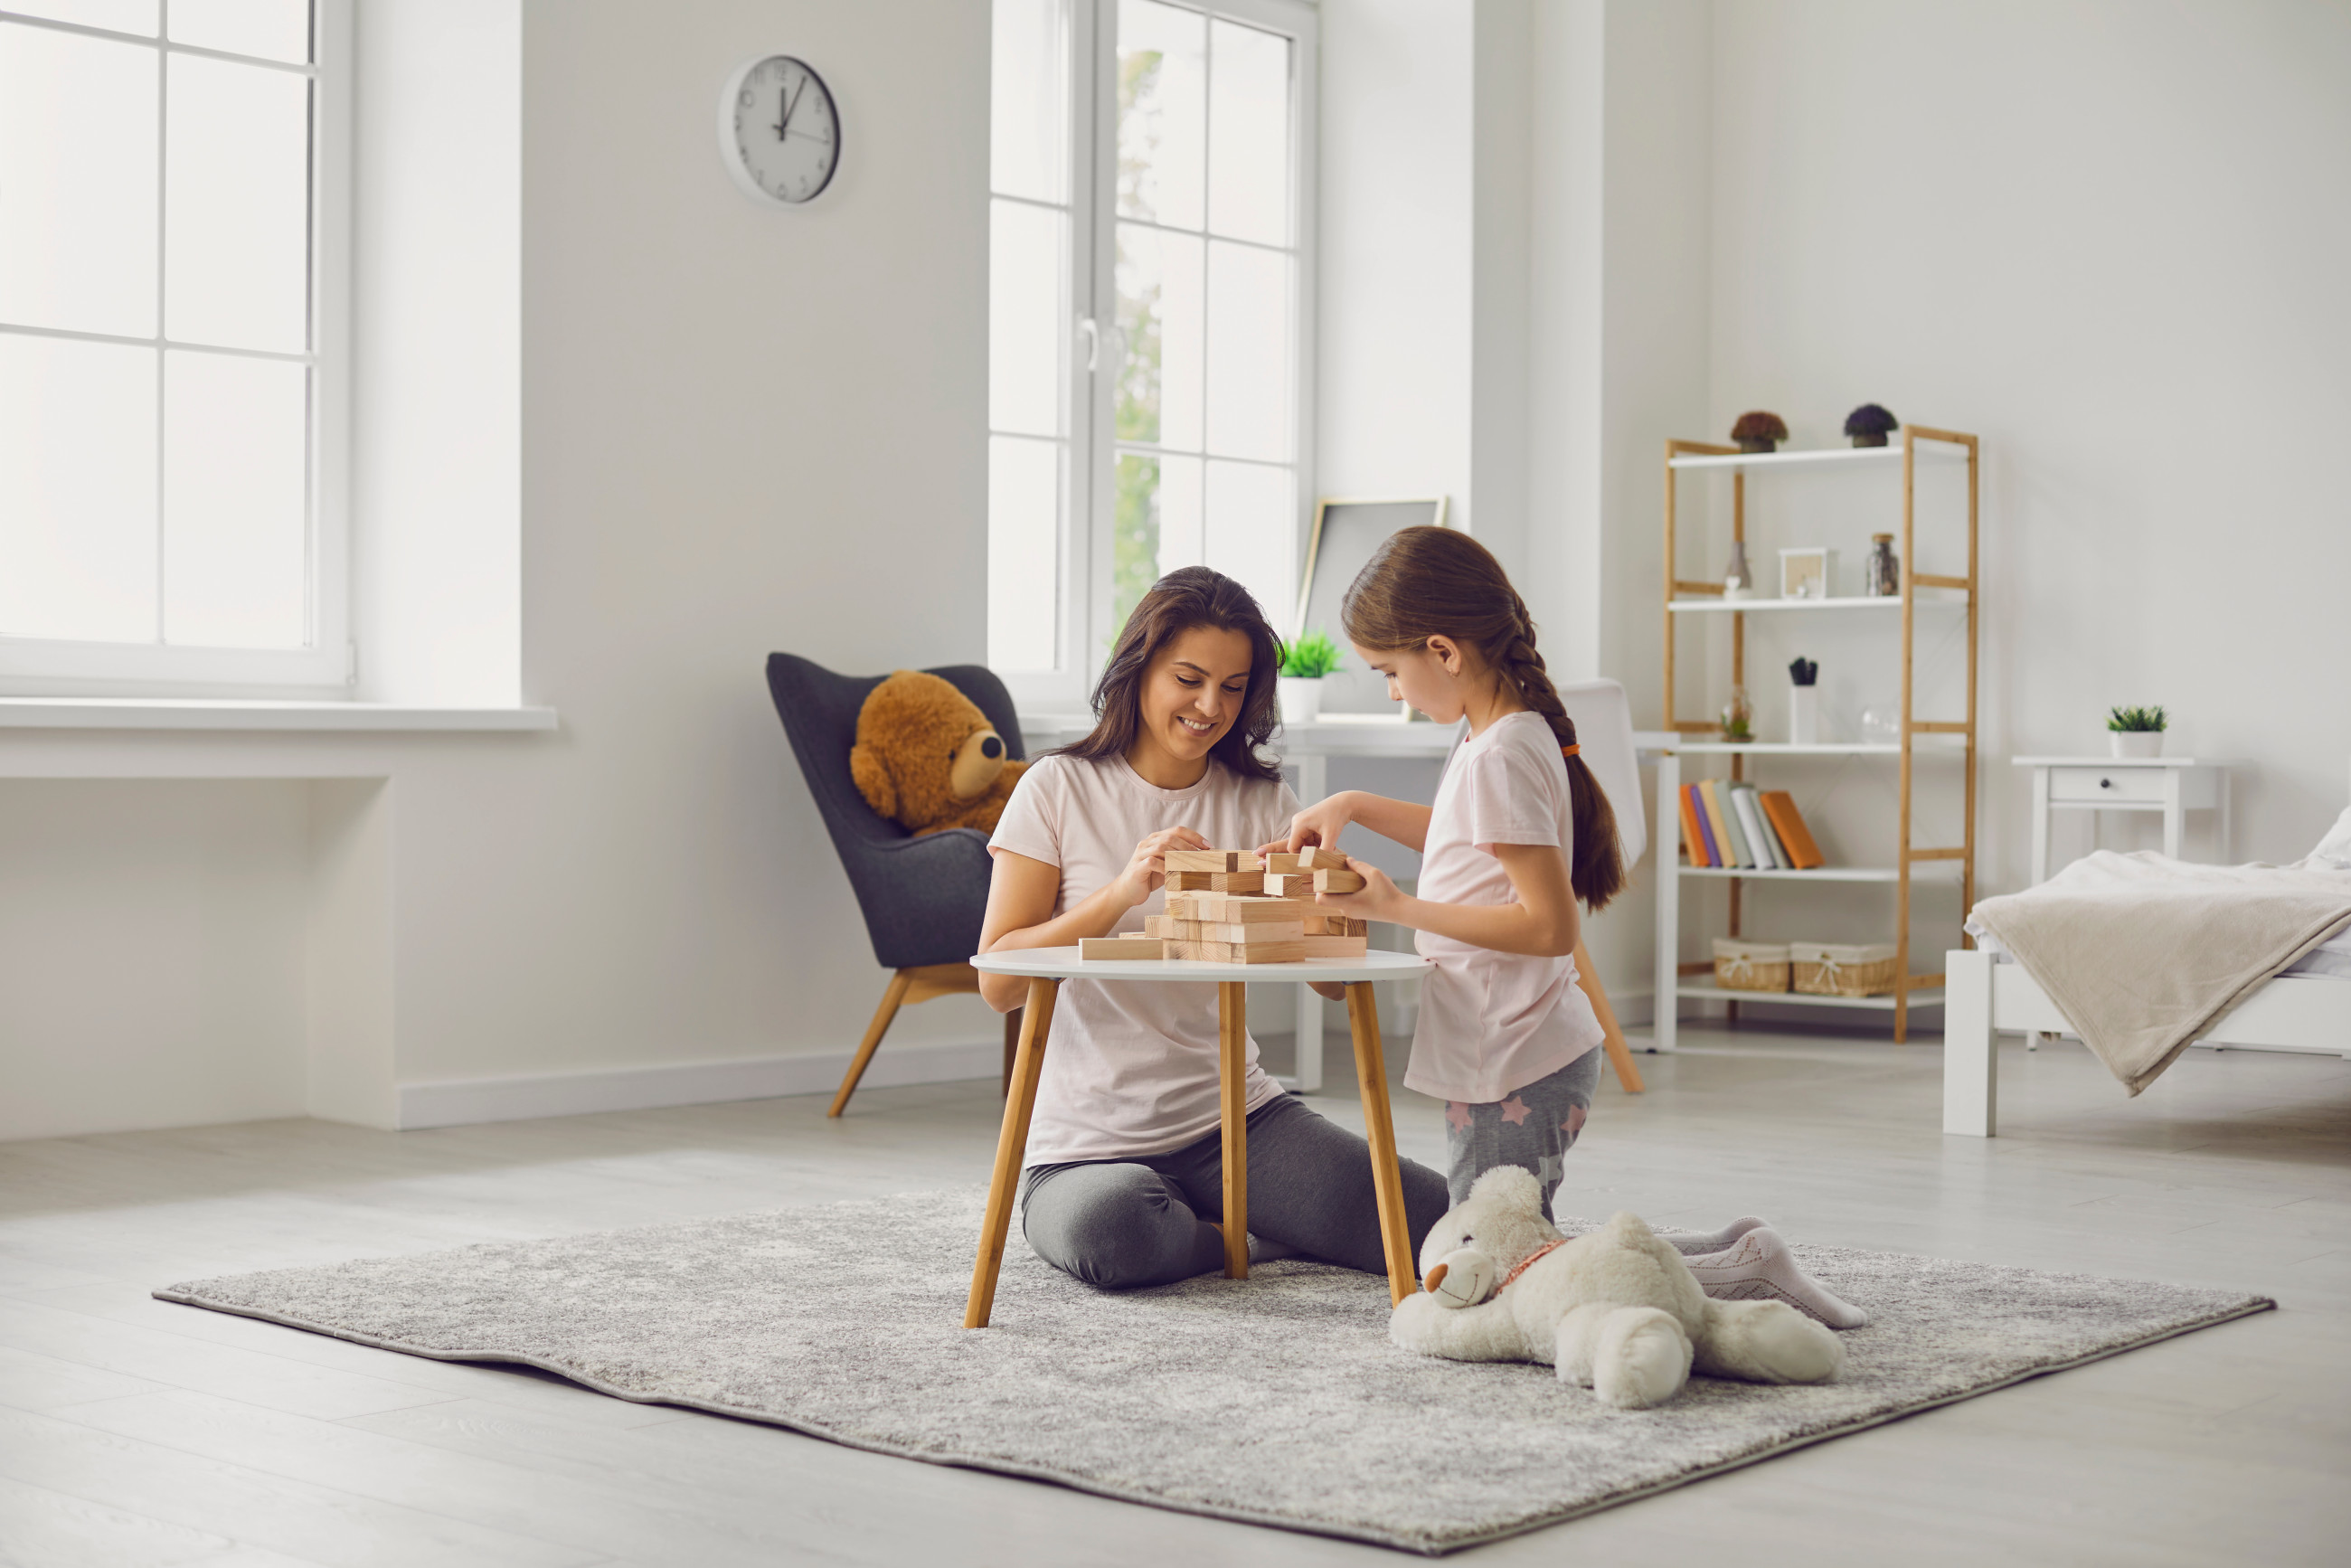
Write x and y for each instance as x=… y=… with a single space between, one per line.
x=927 y=758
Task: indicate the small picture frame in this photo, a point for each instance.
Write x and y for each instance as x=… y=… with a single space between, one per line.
x=1808 y=572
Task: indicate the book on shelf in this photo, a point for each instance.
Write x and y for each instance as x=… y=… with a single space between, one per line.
x=1693 y=832
x=1788 y=822
x=1705 y=827
x=1751 y=822
x=1726 y=833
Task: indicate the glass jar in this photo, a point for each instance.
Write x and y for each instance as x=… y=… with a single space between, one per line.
x=1883 y=576
x=1739 y=716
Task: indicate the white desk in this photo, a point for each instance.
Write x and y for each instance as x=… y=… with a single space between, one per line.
x=2171 y=785
x=1310 y=745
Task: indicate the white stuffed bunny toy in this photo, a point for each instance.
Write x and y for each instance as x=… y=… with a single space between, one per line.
x=1617 y=1311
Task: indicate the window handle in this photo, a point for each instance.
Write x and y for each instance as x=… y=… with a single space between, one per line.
x=1092 y=329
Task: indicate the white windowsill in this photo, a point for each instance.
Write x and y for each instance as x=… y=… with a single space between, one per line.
x=237 y=712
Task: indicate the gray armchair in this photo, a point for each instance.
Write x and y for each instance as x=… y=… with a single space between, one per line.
x=921 y=897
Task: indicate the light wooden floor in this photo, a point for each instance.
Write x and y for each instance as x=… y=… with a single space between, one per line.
x=136 y=1433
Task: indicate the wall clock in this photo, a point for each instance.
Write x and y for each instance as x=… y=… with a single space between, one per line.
x=779 y=131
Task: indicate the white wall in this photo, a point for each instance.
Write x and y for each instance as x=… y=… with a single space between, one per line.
x=1395 y=290
x=2111 y=238
x=740 y=429
x=152 y=953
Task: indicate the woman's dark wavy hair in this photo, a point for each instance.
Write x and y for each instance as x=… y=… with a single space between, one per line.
x=1425 y=583
x=1188 y=597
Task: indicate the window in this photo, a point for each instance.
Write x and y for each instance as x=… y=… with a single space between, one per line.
x=1150 y=301
x=167 y=311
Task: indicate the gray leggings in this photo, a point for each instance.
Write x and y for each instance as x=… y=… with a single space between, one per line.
x=1119 y=1223
x=1533 y=1126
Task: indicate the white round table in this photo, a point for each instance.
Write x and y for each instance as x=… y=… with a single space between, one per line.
x=1046 y=968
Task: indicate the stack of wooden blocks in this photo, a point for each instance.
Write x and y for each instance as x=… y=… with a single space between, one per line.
x=1234 y=906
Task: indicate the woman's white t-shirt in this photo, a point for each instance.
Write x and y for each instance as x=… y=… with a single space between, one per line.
x=1130 y=1065
x=1494 y=1022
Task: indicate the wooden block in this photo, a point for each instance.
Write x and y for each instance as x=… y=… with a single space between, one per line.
x=1336 y=947
x=1213 y=860
x=1290 y=884
x=1316 y=858
x=1338 y=881
x=1216 y=881
x=1234 y=907
x=1199 y=859
x=1240 y=952
x=1236 y=931
x=1128 y=946
x=1329 y=923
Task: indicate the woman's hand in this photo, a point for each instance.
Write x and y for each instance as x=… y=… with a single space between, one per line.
x=1319 y=824
x=1380 y=900
x=1147 y=868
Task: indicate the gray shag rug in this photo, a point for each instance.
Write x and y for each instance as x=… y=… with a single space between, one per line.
x=1276 y=1400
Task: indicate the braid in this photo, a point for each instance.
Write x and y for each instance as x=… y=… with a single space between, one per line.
x=1598 y=872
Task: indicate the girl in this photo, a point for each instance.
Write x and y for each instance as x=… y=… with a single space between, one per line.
x=1507 y=1039
x=1124 y=1181
x=1518 y=834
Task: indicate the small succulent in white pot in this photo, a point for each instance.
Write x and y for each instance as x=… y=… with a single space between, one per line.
x=1298 y=682
x=2137 y=731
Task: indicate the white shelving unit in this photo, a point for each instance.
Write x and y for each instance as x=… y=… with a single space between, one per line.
x=1922 y=593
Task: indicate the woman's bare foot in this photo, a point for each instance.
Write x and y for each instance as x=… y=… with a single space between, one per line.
x=1758 y=1267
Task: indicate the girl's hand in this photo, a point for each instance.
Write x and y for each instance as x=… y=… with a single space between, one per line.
x=1147 y=869
x=1317 y=824
x=1380 y=900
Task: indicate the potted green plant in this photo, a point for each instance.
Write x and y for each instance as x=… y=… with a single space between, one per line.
x=1298 y=684
x=2137 y=731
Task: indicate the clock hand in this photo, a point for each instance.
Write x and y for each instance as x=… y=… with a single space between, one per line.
x=789 y=105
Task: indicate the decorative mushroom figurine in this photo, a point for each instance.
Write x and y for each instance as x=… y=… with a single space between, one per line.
x=1758 y=430
x=1870 y=425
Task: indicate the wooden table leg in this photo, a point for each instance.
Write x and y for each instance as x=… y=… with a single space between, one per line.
x=1379 y=1128
x=1232 y=1073
x=1619 y=1054
x=1004 y=1187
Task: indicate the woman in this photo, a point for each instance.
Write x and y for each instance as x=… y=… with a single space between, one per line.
x=1124 y=1184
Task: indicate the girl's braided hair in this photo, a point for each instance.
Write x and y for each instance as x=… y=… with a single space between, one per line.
x=1425 y=583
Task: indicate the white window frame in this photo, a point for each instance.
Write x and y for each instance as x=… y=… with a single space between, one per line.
x=328 y=664
x=1085 y=593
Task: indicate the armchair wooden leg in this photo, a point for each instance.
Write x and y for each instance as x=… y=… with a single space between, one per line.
x=1004 y=1187
x=1620 y=1055
x=1011 y=1047
x=1379 y=1129
x=874 y=1033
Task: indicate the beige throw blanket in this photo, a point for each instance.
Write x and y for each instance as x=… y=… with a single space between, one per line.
x=2143 y=953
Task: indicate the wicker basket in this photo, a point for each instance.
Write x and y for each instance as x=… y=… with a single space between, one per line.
x=1826 y=969
x=1750 y=966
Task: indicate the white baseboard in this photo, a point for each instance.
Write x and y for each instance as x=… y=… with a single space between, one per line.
x=462 y=1102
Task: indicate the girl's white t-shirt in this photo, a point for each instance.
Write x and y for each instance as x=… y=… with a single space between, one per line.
x=1494 y=1022
x=1130 y=1065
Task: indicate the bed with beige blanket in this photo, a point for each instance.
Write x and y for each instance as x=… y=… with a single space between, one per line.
x=2142 y=956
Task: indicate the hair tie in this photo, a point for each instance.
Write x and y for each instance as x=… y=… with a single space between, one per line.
x=1571 y=751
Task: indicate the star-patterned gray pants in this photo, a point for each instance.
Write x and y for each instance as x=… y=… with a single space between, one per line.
x=1533 y=1126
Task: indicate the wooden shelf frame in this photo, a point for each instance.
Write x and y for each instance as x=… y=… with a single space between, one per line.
x=1917 y=441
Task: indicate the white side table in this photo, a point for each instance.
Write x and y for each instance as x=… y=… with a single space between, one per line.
x=2171 y=785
